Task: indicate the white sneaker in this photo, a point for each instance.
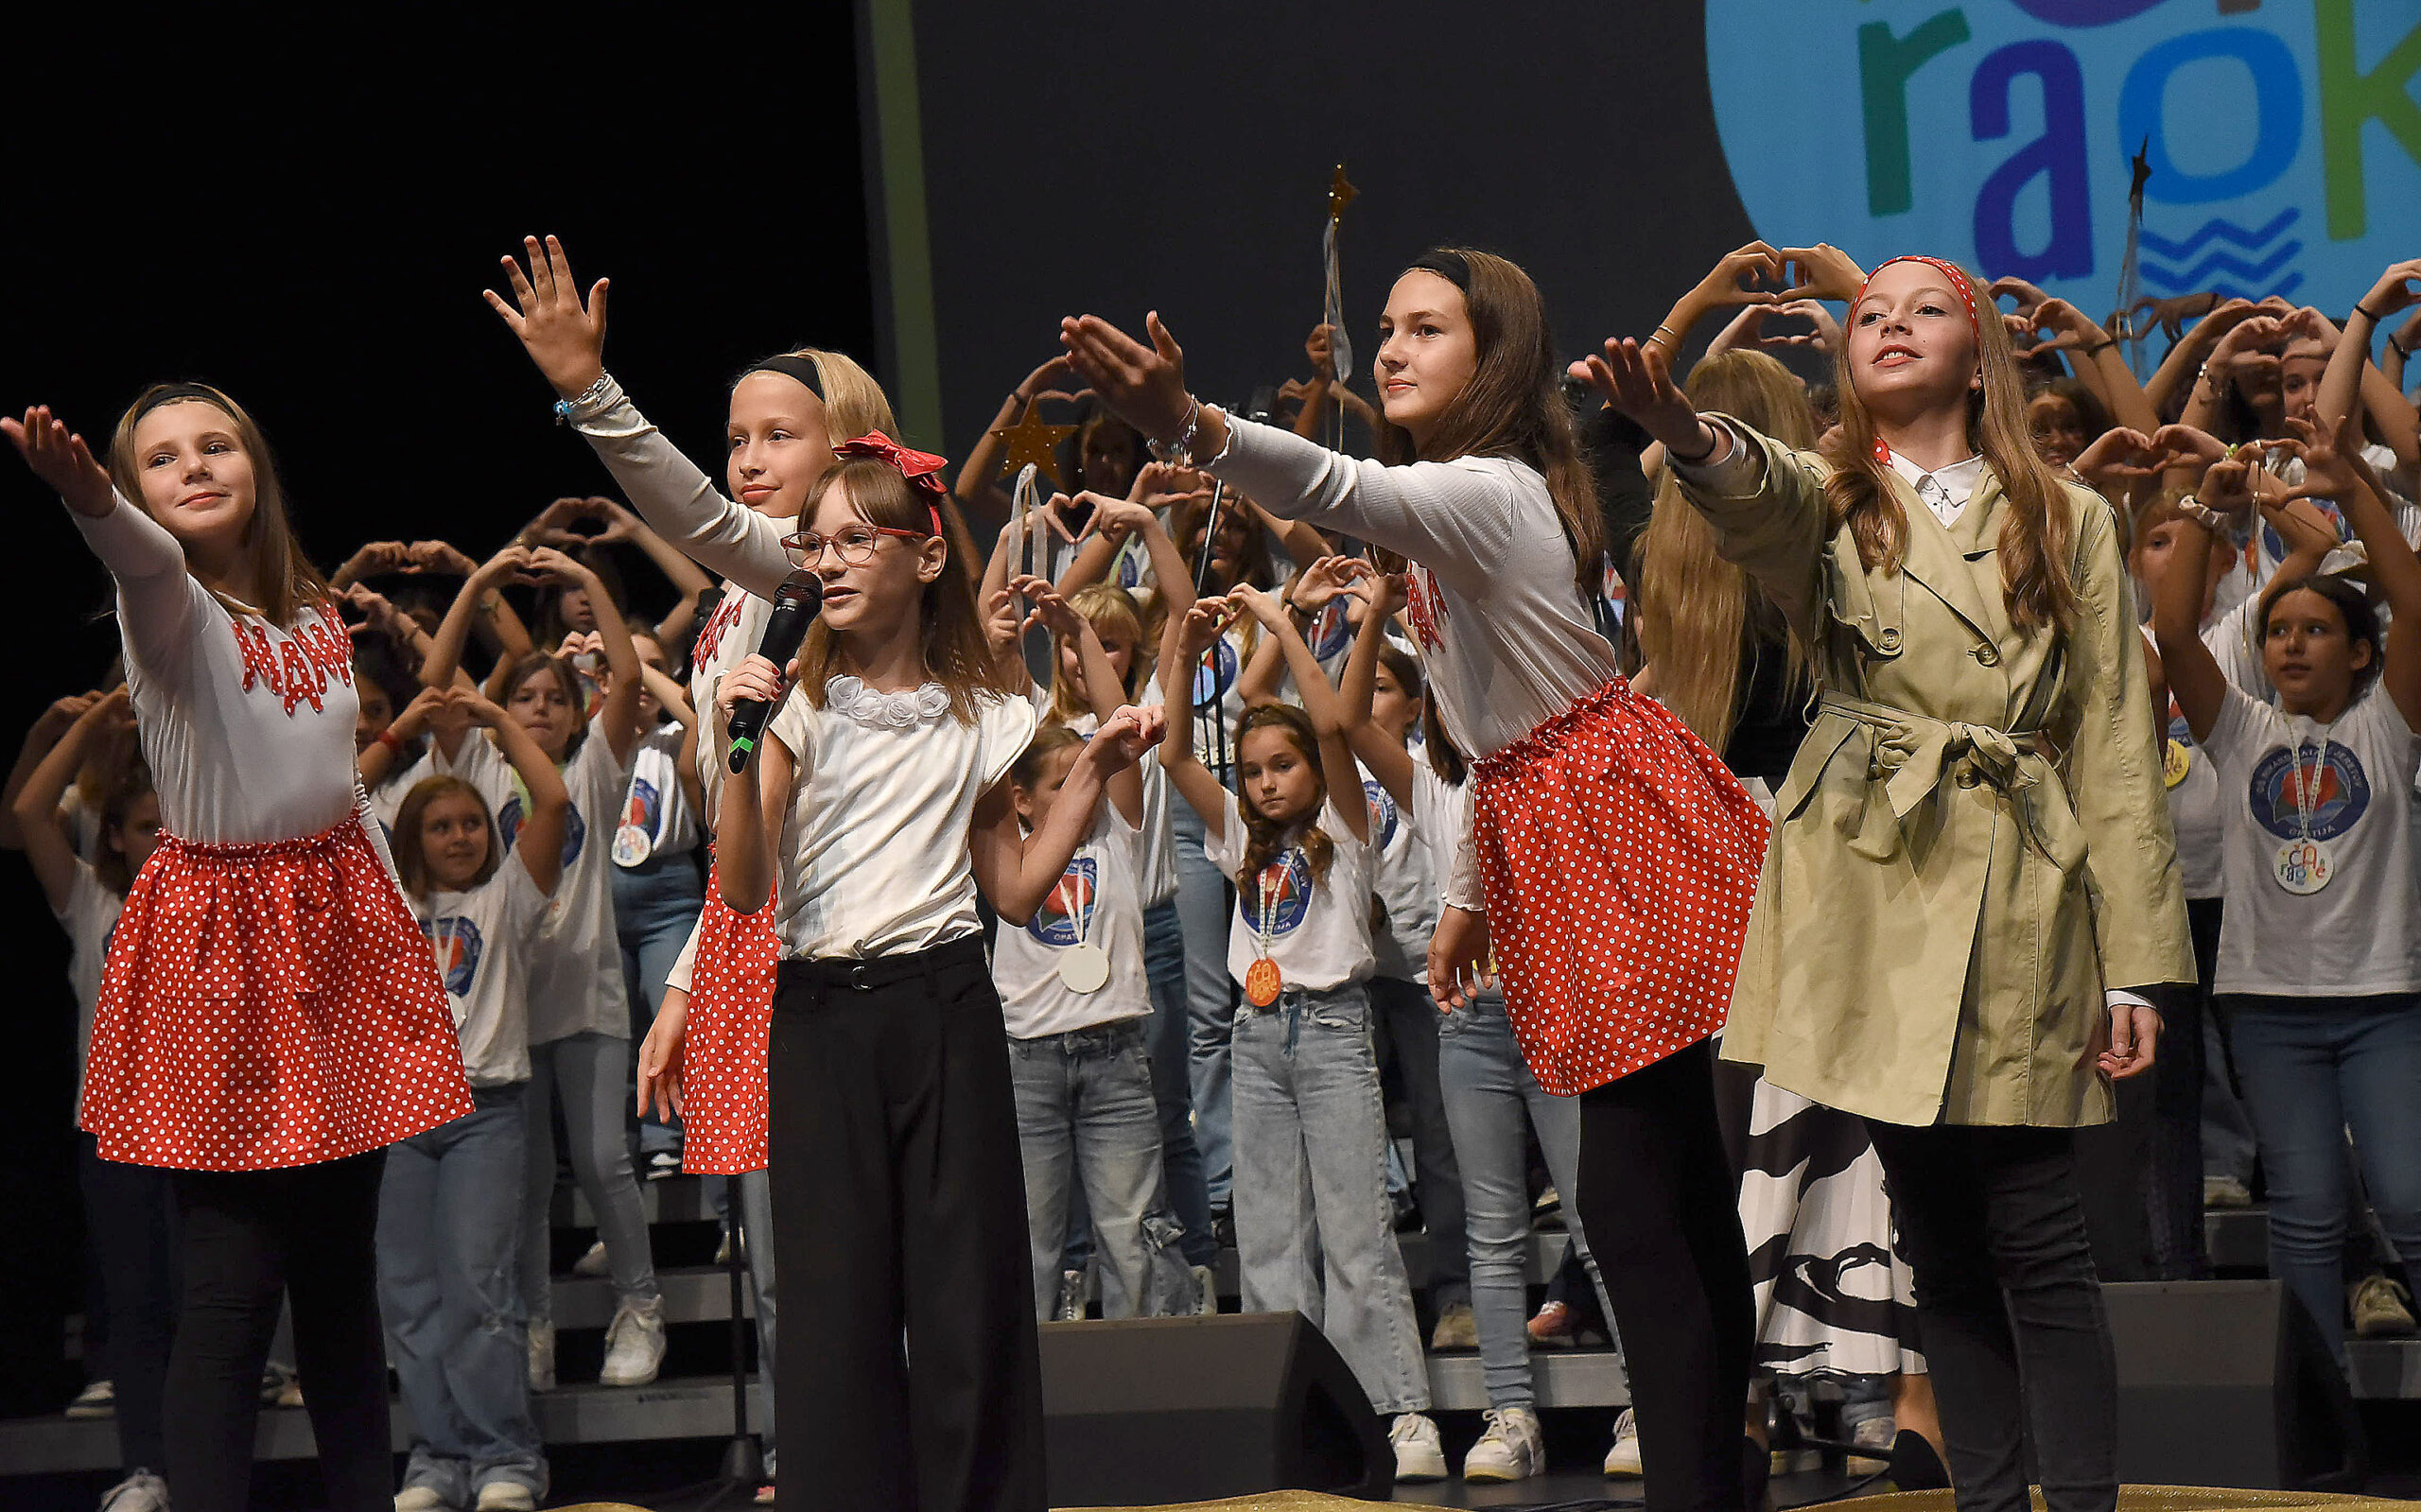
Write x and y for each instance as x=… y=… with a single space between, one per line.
x=1873 y=1438
x=634 y=1343
x=1071 y=1298
x=1458 y=1328
x=1206 y=1291
x=506 y=1496
x=542 y=1356
x=2225 y=1192
x=1420 y=1454
x=1622 y=1458
x=418 y=1498
x=594 y=1263
x=141 y=1491
x=1510 y=1447
x=97 y=1400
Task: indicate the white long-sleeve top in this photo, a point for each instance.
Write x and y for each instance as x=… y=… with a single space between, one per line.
x=1507 y=641
x=248 y=725
x=678 y=500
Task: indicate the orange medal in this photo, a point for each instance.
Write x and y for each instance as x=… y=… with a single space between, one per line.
x=1262 y=983
x=1263 y=980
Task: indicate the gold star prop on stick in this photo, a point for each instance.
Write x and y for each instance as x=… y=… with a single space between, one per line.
x=1340 y=193
x=1031 y=440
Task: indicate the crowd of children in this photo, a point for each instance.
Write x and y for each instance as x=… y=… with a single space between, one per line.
x=1201 y=868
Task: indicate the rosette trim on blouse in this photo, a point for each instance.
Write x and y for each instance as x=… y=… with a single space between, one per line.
x=880 y=711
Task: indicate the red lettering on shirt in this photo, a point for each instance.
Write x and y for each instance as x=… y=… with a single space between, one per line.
x=260 y=659
x=1423 y=606
x=303 y=680
x=718 y=624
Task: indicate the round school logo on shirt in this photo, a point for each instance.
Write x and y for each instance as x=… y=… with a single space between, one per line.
x=1331 y=638
x=456 y=940
x=1067 y=912
x=508 y=820
x=1214 y=674
x=1382 y=814
x=2340 y=791
x=1292 y=875
x=2276 y=546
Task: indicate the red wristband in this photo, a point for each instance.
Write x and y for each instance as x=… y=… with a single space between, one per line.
x=387 y=738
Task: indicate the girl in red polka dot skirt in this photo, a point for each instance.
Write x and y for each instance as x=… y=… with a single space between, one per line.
x=271 y=1018
x=1611 y=857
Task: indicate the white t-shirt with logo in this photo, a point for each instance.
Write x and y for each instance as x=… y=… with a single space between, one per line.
x=656 y=820
x=576 y=983
x=1096 y=901
x=1319 y=934
x=483 y=939
x=89 y=918
x=2357 y=936
x=2193 y=787
x=1403 y=882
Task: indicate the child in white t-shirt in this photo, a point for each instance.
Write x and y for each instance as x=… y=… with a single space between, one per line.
x=1309 y=1131
x=2320 y=950
x=129 y=1209
x=449 y=1208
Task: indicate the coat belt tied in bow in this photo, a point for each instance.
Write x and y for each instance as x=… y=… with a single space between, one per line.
x=1913 y=752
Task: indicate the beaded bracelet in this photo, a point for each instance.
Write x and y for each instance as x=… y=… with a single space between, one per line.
x=566 y=409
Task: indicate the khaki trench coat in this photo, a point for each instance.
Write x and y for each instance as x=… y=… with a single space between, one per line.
x=1972 y=840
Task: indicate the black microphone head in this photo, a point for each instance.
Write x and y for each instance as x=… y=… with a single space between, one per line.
x=802 y=588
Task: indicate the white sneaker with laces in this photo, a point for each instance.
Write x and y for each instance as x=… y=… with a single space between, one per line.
x=634 y=1343
x=419 y=1499
x=1622 y=1458
x=141 y=1491
x=1873 y=1438
x=97 y=1400
x=507 y=1496
x=1071 y=1298
x=1420 y=1456
x=542 y=1356
x=594 y=1263
x=1510 y=1447
x=1206 y=1291
x=2380 y=1308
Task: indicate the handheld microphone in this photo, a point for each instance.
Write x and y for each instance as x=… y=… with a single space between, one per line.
x=796 y=606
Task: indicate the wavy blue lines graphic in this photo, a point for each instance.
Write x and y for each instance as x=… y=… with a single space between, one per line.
x=2222 y=228
x=2249 y=260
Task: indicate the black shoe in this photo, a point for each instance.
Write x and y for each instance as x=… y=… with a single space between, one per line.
x=1222 y=1228
x=1755 y=1475
x=1914 y=1465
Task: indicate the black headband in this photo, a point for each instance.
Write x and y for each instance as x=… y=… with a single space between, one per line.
x=1452 y=266
x=168 y=393
x=803 y=368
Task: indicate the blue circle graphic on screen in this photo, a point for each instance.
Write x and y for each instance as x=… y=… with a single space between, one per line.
x=2283 y=139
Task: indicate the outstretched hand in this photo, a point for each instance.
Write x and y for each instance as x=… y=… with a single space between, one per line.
x=1142 y=385
x=60 y=457
x=1638 y=381
x=564 y=335
x=1119 y=741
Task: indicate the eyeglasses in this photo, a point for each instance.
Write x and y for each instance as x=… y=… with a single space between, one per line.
x=854 y=545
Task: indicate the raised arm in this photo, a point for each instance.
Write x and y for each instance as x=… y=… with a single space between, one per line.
x=1114 y=522
x=376 y=763
x=978 y=489
x=565 y=338
x=1320 y=702
x=1384 y=755
x=1017 y=871
x=540 y=842
x=2351 y=377
x=442 y=663
x=2195 y=679
x=1182 y=647
x=157 y=597
x=686 y=579
x=618 y=719
x=42 y=736
x=2333 y=468
x=1101 y=689
x=35 y=807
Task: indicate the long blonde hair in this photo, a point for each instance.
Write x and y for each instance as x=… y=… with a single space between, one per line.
x=1693 y=604
x=2039 y=534
x=281 y=574
x=1111 y=609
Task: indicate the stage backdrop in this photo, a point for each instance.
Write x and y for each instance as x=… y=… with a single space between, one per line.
x=1074 y=156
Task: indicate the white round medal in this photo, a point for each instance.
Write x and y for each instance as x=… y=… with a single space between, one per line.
x=1083 y=966
x=631 y=845
x=2303 y=867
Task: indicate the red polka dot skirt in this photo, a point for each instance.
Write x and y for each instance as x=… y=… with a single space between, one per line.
x=266 y=1006
x=731 y=1005
x=1618 y=855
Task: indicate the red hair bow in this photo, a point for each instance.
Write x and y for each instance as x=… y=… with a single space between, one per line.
x=921 y=468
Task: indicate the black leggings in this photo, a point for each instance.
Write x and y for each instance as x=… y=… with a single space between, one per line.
x=130 y=1212
x=251 y=1237
x=2009 y=1308
x=900 y=1219
x=1658 y=1201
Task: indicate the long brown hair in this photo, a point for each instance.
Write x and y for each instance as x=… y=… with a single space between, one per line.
x=531 y=662
x=281 y=574
x=1513 y=404
x=957 y=653
x=1265 y=839
x=2040 y=530
x=1692 y=604
x=412 y=862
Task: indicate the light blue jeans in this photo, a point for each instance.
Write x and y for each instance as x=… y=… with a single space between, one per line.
x=449 y=1228
x=1086 y=1114
x=589 y=1072
x=1311 y=1143
x=2312 y=1067
x=1165 y=967
x=654 y=908
x=1489 y=1094
x=1202 y=901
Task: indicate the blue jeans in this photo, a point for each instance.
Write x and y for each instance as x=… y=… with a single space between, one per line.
x=654 y=908
x=448 y=1226
x=1490 y=1093
x=1164 y=966
x=1204 y=899
x=1086 y=1114
x=590 y=1073
x=1311 y=1142
x=2311 y=1068
x=1408 y=1029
